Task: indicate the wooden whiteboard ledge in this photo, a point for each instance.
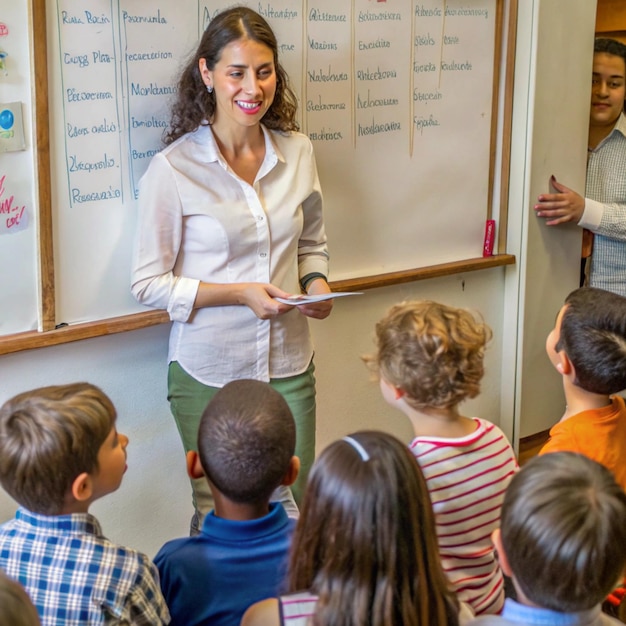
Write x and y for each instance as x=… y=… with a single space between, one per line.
x=76 y=332
x=422 y=273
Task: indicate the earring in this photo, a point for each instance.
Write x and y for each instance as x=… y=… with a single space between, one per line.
x=209 y=88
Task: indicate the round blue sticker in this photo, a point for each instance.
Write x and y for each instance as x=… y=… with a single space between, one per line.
x=6 y=119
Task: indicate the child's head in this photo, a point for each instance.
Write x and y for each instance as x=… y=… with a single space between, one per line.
x=590 y=334
x=16 y=608
x=562 y=532
x=432 y=352
x=365 y=541
x=49 y=437
x=246 y=441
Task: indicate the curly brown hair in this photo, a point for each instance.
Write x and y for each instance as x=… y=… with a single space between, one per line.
x=194 y=106
x=432 y=352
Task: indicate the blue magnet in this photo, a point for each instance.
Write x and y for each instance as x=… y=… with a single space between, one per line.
x=7 y=119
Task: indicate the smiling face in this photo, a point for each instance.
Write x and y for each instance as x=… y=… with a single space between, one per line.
x=244 y=82
x=608 y=90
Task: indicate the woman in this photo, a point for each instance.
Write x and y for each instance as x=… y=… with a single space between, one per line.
x=230 y=218
x=364 y=552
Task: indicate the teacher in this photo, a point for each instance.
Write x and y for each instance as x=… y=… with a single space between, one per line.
x=230 y=218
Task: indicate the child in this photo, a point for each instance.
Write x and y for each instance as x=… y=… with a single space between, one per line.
x=246 y=445
x=588 y=348
x=59 y=452
x=364 y=550
x=429 y=359
x=562 y=540
x=16 y=609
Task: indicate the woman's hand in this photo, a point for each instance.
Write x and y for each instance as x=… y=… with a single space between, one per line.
x=257 y=296
x=260 y=298
x=317 y=310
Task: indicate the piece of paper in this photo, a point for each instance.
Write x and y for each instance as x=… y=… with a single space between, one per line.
x=306 y=299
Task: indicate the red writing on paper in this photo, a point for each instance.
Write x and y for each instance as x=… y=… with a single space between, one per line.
x=4 y=29
x=8 y=208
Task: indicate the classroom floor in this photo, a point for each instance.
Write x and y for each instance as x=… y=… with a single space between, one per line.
x=530 y=446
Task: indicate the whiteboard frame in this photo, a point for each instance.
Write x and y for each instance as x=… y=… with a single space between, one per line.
x=48 y=333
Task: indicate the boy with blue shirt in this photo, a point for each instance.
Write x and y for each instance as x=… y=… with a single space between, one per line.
x=246 y=444
x=59 y=452
x=562 y=540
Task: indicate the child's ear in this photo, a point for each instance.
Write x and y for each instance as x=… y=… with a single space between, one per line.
x=496 y=538
x=292 y=472
x=564 y=365
x=194 y=467
x=396 y=392
x=82 y=487
x=399 y=393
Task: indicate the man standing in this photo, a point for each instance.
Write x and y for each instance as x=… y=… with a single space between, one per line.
x=603 y=209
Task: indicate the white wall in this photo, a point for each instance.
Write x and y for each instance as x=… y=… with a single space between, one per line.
x=520 y=390
x=154 y=503
x=348 y=398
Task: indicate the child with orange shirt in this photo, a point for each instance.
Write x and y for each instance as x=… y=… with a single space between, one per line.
x=588 y=348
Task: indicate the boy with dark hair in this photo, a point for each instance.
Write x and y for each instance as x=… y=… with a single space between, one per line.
x=588 y=348
x=429 y=360
x=562 y=539
x=59 y=452
x=246 y=444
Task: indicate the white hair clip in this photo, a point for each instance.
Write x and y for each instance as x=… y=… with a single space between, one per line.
x=358 y=447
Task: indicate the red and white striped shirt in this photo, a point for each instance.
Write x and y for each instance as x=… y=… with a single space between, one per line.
x=297 y=609
x=466 y=479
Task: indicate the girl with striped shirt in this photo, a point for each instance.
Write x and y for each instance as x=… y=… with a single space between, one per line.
x=429 y=359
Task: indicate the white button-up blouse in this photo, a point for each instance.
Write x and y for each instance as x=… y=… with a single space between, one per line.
x=198 y=221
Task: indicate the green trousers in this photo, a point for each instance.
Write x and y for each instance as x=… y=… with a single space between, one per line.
x=188 y=399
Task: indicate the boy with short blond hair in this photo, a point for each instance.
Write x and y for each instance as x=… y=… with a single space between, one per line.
x=59 y=452
x=429 y=359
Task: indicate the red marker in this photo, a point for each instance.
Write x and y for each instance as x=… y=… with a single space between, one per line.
x=490 y=236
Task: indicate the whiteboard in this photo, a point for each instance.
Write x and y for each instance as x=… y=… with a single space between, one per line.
x=18 y=234
x=396 y=96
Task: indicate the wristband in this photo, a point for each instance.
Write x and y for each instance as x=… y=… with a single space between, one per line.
x=309 y=278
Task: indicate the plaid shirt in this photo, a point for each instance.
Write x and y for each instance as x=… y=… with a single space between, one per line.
x=75 y=576
x=605 y=210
